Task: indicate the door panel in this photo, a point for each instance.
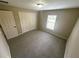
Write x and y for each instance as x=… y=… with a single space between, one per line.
x=28 y=21
x=8 y=24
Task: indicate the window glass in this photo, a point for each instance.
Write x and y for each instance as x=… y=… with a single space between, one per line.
x=51 y=20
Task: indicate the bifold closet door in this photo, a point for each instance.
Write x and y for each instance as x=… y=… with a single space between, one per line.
x=7 y=22
x=28 y=21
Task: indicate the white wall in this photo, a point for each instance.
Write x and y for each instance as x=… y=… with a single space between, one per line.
x=4 y=48
x=72 y=47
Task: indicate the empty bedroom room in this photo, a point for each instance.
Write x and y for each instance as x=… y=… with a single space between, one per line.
x=39 y=28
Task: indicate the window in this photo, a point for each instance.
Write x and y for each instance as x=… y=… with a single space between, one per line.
x=51 y=20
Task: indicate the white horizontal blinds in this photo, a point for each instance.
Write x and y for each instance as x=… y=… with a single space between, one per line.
x=51 y=20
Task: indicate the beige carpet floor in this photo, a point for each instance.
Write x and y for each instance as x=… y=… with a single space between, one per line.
x=37 y=44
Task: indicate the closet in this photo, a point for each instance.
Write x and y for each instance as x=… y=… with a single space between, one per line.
x=8 y=24
x=28 y=21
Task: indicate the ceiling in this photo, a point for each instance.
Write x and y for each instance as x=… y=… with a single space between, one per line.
x=48 y=4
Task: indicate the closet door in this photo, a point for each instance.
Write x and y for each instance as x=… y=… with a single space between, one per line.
x=33 y=21
x=7 y=22
x=28 y=21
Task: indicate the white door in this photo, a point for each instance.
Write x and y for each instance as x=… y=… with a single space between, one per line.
x=28 y=21
x=33 y=21
x=24 y=21
x=7 y=22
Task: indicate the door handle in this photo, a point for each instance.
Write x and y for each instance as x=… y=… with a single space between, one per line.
x=14 y=26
